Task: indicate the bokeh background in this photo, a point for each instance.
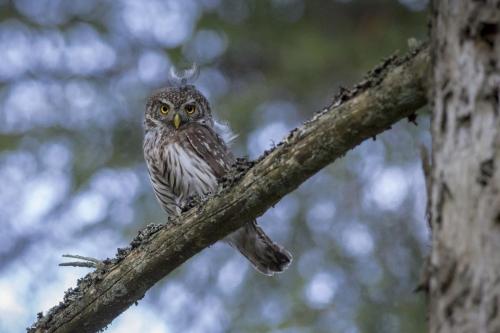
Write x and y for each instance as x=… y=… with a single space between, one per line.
x=74 y=77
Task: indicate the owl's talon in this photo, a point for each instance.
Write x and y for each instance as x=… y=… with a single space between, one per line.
x=88 y=262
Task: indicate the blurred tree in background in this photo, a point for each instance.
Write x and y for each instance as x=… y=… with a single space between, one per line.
x=74 y=76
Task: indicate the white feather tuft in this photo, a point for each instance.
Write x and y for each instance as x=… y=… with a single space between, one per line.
x=222 y=128
x=183 y=76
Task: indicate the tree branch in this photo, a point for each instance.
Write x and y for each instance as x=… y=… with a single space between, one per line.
x=392 y=91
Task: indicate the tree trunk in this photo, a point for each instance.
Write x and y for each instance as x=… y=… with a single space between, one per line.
x=465 y=198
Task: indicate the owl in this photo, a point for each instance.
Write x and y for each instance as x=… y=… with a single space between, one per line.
x=185 y=157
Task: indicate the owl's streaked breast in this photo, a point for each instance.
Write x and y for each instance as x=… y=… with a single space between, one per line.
x=176 y=172
x=187 y=173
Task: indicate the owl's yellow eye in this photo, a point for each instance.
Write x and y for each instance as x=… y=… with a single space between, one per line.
x=190 y=108
x=164 y=109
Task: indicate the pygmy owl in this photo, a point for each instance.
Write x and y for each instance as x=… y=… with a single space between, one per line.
x=186 y=156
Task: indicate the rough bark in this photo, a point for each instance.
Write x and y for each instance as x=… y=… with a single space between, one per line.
x=392 y=91
x=465 y=199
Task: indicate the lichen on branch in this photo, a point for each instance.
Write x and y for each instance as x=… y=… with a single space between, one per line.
x=392 y=91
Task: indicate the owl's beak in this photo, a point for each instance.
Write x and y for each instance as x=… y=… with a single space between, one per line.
x=177 y=121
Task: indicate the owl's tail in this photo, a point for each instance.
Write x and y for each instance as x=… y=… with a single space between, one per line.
x=266 y=256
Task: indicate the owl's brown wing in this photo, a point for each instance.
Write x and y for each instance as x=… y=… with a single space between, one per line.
x=210 y=147
x=266 y=256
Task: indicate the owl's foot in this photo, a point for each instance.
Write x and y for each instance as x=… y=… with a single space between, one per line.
x=86 y=262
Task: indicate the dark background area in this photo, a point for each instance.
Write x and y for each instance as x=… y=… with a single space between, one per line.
x=74 y=77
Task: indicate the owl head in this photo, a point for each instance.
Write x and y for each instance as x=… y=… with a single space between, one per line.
x=175 y=107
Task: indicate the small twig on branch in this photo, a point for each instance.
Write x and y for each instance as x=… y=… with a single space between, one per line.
x=392 y=91
x=87 y=261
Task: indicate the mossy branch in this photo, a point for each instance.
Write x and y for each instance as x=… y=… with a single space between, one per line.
x=392 y=91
